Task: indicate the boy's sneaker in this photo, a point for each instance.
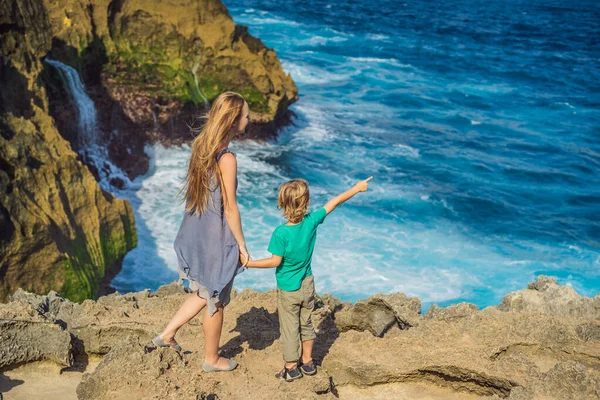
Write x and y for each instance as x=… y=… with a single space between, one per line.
x=307 y=369
x=289 y=375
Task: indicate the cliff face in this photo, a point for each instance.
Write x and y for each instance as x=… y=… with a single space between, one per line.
x=59 y=229
x=188 y=51
x=150 y=67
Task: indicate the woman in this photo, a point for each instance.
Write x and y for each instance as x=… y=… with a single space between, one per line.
x=210 y=240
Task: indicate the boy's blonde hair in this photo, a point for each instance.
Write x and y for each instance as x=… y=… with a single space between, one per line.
x=293 y=199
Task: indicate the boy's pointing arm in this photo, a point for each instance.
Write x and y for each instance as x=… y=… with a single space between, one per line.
x=361 y=186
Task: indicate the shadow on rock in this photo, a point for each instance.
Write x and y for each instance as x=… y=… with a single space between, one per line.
x=257 y=327
x=325 y=327
x=6 y=383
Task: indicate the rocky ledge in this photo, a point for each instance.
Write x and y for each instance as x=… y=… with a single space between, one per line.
x=541 y=342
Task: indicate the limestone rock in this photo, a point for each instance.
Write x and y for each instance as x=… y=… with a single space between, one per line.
x=457 y=351
x=60 y=231
x=460 y=310
x=44 y=305
x=380 y=313
x=168 y=290
x=589 y=331
x=547 y=297
x=570 y=380
x=372 y=315
x=250 y=335
x=407 y=309
x=25 y=336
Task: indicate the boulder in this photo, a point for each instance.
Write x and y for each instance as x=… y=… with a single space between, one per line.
x=547 y=297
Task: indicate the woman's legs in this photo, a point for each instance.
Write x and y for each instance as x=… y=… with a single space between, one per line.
x=188 y=310
x=212 y=326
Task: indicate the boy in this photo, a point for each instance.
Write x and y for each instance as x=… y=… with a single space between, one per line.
x=292 y=246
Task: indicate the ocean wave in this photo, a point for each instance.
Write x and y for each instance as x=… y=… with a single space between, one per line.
x=408 y=151
x=565 y=104
x=322 y=40
x=375 y=60
x=377 y=37
x=308 y=74
x=444 y=217
x=276 y=21
x=475 y=88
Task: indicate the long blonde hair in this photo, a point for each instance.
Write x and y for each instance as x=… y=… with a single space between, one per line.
x=293 y=199
x=223 y=115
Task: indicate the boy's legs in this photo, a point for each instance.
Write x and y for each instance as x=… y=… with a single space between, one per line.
x=288 y=308
x=307 y=346
x=307 y=331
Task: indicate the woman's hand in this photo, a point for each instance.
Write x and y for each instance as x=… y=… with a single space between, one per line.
x=244 y=256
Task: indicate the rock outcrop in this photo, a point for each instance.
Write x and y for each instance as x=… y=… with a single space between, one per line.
x=152 y=68
x=59 y=229
x=149 y=66
x=454 y=353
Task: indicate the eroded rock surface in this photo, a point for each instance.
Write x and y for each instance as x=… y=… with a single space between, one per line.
x=453 y=353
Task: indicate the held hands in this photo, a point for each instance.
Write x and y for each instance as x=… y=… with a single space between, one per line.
x=362 y=186
x=244 y=256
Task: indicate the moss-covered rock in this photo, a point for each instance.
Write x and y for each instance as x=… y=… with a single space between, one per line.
x=60 y=231
x=154 y=59
x=188 y=52
x=150 y=66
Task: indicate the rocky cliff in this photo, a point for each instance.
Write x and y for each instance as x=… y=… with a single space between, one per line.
x=539 y=343
x=150 y=67
x=59 y=229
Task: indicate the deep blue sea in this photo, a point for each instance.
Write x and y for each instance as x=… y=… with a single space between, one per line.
x=479 y=120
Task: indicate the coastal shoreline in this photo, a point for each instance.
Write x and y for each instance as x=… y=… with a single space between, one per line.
x=540 y=341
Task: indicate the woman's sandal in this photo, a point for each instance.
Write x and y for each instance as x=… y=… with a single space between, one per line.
x=158 y=342
x=209 y=368
x=289 y=375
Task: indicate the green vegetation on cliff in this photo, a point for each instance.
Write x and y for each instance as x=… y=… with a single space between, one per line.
x=147 y=61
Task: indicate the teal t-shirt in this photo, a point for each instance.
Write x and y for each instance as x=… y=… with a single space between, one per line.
x=295 y=243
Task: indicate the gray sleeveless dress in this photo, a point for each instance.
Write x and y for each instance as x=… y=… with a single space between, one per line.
x=207 y=251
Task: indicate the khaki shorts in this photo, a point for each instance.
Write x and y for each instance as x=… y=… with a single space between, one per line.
x=295 y=309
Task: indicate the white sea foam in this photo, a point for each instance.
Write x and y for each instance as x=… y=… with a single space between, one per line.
x=566 y=104
x=375 y=60
x=377 y=37
x=322 y=40
x=482 y=88
x=276 y=21
x=357 y=253
x=371 y=244
x=311 y=75
x=408 y=151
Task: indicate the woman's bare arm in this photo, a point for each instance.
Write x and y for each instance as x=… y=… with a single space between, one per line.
x=228 y=166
